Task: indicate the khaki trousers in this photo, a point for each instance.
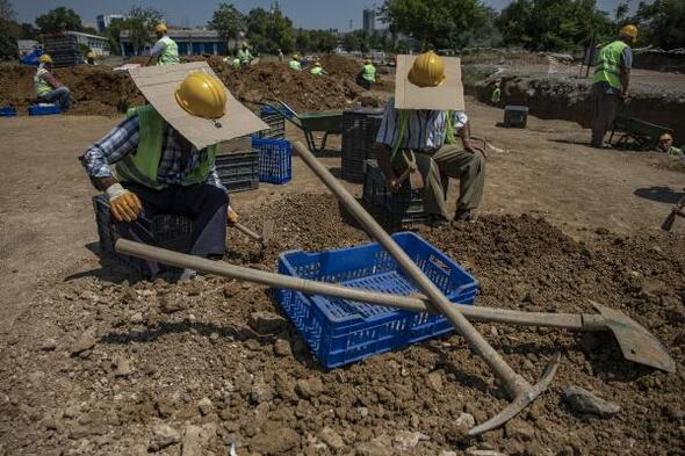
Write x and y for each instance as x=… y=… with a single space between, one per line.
x=448 y=161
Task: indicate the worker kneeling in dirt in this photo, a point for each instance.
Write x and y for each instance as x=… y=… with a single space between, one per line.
x=421 y=124
x=367 y=76
x=164 y=155
x=317 y=69
x=48 y=88
x=294 y=63
x=611 y=81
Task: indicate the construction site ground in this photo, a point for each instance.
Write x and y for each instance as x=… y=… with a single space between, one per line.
x=93 y=360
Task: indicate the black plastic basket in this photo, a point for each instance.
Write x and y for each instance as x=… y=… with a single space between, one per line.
x=359 y=135
x=168 y=231
x=395 y=209
x=275 y=121
x=239 y=171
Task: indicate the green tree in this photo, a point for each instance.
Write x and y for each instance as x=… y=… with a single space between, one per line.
x=437 y=23
x=270 y=31
x=228 y=21
x=303 y=40
x=59 y=20
x=323 y=41
x=662 y=23
x=7 y=10
x=10 y=32
x=553 y=25
x=139 y=24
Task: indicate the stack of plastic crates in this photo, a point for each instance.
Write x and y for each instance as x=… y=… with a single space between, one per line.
x=275 y=160
x=393 y=209
x=168 y=231
x=275 y=121
x=44 y=109
x=8 y=111
x=359 y=135
x=238 y=171
x=339 y=331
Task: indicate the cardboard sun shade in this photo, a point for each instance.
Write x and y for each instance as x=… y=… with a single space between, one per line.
x=158 y=85
x=449 y=96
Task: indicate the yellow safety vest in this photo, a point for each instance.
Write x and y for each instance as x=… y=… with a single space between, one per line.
x=169 y=55
x=609 y=65
x=40 y=85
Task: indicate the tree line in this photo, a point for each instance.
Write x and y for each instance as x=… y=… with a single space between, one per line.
x=536 y=25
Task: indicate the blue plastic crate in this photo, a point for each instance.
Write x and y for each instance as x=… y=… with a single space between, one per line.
x=8 y=111
x=44 y=109
x=340 y=331
x=275 y=160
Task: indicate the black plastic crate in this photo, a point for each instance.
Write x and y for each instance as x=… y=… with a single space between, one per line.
x=358 y=138
x=239 y=171
x=402 y=208
x=275 y=121
x=515 y=116
x=168 y=231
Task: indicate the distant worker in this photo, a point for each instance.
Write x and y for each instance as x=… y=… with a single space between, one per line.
x=317 y=69
x=165 y=50
x=236 y=63
x=411 y=128
x=48 y=88
x=496 y=93
x=294 y=63
x=666 y=146
x=367 y=77
x=611 y=81
x=90 y=58
x=281 y=57
x=244 y=54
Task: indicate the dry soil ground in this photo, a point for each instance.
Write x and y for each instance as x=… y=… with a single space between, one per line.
x=91 y=360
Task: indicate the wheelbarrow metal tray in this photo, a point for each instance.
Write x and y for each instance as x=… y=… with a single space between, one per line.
x=328 y=121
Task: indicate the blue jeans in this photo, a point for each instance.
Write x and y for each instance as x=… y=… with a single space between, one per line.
x=60 y=96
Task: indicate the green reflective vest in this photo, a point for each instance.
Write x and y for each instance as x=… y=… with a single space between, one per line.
x=316 y=71
x=496 y=95
x=295 y=65
x=236 y=63
x=40 y=85
x=369 y=73
x=169 y=55
x=609 y=65
x=142 y=165
x=245 y=56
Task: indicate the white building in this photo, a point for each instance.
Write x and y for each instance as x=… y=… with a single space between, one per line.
x=103 y=20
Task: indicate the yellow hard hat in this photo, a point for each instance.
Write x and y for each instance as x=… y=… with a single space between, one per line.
x=45 y=58
x=317 y=64
x=428 y=70
x=161 y=28
x=368 y=62
x=90 y=55
x=630 y=31
x=296 y=57
x=202 y=95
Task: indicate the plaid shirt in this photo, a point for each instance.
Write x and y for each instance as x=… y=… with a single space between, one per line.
x=174 y=165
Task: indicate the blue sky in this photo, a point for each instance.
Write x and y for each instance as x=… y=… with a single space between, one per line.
x=304 y=13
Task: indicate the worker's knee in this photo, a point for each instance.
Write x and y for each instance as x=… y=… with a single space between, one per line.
x=477 y=164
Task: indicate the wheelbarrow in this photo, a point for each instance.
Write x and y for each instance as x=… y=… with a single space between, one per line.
x=328 y=122
x=636 y=134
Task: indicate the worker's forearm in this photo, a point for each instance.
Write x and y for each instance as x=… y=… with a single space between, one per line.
x=625 y=80
x=383 y=158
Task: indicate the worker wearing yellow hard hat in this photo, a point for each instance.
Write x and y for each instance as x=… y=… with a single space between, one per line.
x=90 y=58
x=163 y=156
x=317 y=69
x=48 y=88
x=416 y=144
x=294 y=63
x=611 y=82
x=165 y=51
x=367 y=75
x=244 y=54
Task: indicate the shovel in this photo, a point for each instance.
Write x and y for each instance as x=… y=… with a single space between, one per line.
x=636 y=343
x=267 y=231
x=677 y=210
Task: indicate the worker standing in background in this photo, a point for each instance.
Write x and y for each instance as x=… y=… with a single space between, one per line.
x=496 y=93
x=281 y=57
x=367 y=77
x=90 y=58
x=429 y=135
x=294 y=63
x=48 y=88
x=244 y=54
x=165 y=50
x=317 y=69
x=611 y=82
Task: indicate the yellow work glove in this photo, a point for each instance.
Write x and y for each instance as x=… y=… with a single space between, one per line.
x=232 y=216
x=124 y=205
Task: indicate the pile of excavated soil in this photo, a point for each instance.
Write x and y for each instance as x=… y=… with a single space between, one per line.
x=106 y=364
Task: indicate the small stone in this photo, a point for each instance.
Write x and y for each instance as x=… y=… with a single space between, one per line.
x=448 y=453
x=519 y=429
x=583 y=401
x=331 y=438
x=465 y=420
x=261 y=391
x=136 y=318
x=49 y=345
x=477 y=452
x=171 y=303
x=309 y=388
x=434 y=380
x=363 y=412
x=275 y=441
x=494 y=332
x=407 y=440
x=122 y=367
x=374 y=448
x=163 y=436
x=196 y=439
x=267 y=322
x=214 y=336
x=85 y=342
x=205 y=405
x=282 y=348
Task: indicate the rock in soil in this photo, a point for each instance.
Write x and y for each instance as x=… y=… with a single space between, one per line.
x=282 y=348
x=275 y=441
x=86 y=341
x=332 y=439
x=406 y=440
x=163 y=435
x=267 y=322
x=583 y=401
x=205 y=405
x=309 y=388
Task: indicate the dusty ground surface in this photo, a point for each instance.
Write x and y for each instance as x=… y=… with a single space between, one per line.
x=92 y=359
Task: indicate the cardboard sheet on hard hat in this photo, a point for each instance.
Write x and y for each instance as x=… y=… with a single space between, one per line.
x=448 y=96
x=158 y=85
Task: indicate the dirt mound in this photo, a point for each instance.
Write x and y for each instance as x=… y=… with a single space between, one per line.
x=99 y=363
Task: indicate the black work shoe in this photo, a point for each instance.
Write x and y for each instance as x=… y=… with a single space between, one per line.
x=464 y=215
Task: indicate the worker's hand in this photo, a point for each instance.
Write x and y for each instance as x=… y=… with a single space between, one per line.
x=469 y=147
x=393 y=184
x=124 y=205
x=232 y=216
x=626 y=97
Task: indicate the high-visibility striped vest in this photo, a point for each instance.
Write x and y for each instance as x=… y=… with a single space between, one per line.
x=609 y=66
x=40 y=85
x=369 y=73
x=316 y=71
x=295 y=65
x=142 y=165
x=169 y=55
